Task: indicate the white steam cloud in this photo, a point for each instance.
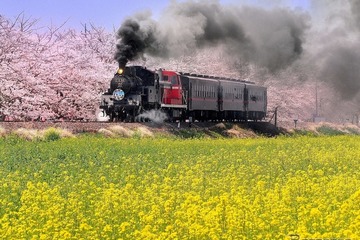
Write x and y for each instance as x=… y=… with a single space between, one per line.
x=155 y=116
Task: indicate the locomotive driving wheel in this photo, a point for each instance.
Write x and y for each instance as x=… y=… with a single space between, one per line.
x=111 y=117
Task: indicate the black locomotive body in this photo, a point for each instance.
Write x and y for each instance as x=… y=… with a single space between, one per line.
x=182 y=96
x=128 y=94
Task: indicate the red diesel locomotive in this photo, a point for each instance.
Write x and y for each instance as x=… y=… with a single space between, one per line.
x=135 y=90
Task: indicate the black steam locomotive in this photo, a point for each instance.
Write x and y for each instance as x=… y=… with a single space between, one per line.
x=135 y=90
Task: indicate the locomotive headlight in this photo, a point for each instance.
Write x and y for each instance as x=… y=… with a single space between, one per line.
x=120 y=71
x=118 y=94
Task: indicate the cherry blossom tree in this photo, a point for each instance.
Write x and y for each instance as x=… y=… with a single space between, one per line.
x=52 y=73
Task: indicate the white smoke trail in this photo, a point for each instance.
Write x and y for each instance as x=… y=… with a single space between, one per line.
x=102 y=117
x=156 y=116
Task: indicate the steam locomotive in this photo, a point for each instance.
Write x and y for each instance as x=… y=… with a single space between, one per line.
x=182 y=96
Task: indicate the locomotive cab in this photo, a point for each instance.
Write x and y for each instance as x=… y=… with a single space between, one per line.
x=172 y=98
x=172 y=93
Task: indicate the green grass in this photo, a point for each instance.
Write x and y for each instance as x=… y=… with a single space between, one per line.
x=329 y=131
x=52 y=135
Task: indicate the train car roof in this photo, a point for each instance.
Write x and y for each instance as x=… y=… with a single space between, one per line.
x=192 y=75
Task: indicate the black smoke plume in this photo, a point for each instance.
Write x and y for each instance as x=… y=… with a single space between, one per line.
x=338 y=54
x=341 y=70
x=269 y=38
x=134 y=40
x=355 y=10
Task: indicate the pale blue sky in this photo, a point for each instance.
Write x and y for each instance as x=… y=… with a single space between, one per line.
x=105 y=13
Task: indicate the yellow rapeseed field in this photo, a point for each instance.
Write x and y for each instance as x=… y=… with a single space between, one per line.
x=158 y=188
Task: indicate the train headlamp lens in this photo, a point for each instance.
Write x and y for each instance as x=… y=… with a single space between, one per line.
x=120 y=71
x=118 y=94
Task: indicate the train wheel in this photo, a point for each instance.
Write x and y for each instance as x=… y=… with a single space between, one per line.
x=111 y=117
x=139 y=118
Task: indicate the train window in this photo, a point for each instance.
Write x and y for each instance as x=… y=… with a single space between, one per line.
x=165 y=78
x=174 y=80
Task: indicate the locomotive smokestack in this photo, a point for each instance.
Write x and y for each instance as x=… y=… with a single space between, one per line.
x=269 y=38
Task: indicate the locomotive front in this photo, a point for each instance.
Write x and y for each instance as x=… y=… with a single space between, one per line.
x=122 y=101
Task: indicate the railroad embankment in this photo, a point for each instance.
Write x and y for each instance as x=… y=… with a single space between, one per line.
x=182 y=130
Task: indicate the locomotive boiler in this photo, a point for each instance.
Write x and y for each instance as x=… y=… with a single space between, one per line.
x=135 y=90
